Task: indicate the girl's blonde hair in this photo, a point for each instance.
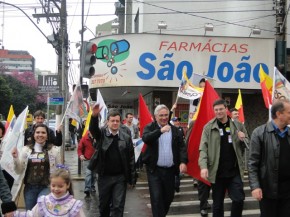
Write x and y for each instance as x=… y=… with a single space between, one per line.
x=65 y=175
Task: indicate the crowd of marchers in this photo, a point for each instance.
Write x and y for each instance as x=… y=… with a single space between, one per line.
x=108 y=156
x=223 y=145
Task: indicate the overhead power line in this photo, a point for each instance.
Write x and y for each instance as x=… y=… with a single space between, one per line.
x=194 y=15
x=175 y=12
x=5 y=3
x=169 y=11
x=88 y=12
x=182 y=1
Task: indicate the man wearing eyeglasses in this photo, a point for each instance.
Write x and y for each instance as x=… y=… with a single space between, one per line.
x=221 y=156
x=165 y=157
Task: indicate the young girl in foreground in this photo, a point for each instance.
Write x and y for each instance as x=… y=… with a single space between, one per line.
x=60 y=201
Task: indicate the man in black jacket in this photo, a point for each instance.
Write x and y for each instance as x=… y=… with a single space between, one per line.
x=115 y=163
x=268 y=165
x=165 y=157
x=39 y=118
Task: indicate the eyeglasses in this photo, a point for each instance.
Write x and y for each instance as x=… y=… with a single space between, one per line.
x=163 y=115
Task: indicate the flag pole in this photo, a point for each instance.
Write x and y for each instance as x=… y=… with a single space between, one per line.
x=246 y=144
x=177 y=97
x=273 y=94
x=65 y=113
x=47 y=116
x=172 y=110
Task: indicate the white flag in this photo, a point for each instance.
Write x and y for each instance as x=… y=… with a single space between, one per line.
x=15 y=138
x=7 y=134
x=187 y=90
x=76 y=108
x=138 y=145
x=281 y=87
x=104 y=111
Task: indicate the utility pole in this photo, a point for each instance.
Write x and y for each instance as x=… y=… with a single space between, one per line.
x=60 y=43
x=61 y=46
x=63 y=73
x=281 y=34
x=82 y=37
x=81 y=78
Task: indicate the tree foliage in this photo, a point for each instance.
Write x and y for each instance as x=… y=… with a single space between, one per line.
x=6 y=96
x=23 y=92
x=26 y=78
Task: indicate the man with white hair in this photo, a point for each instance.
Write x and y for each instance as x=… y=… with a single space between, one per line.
x=165 y=157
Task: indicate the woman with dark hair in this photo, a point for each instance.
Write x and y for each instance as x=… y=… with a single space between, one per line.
x=35 y=162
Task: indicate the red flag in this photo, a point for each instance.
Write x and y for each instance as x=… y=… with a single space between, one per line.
x=145 y=117
x=206 y=113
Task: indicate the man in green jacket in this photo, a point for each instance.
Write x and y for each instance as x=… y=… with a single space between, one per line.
x=221 y=159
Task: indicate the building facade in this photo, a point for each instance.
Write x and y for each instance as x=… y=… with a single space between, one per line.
x=198 y=29
x=16 y=61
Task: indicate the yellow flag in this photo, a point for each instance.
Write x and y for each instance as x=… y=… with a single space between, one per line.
x=9 y=117
x=87 y=122
x=239 y=107
x=267 y=86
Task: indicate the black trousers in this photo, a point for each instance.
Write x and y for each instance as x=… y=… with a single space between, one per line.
x=234 y=187
x=112 y=195
x=161 y=187
x=203 y=194
x=275 y=207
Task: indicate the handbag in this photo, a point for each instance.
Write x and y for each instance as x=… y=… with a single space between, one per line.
x=93 y=164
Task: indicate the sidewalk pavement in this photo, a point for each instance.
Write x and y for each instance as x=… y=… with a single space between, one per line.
x=135 y=205
x=71 y=160
x=90 y=206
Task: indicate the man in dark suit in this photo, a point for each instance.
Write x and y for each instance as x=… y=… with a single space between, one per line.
x=165 y=157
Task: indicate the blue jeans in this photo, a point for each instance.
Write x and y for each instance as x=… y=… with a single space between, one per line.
x=32 y=192
x=73 y=138
x=161 y=184
x=90 y=177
